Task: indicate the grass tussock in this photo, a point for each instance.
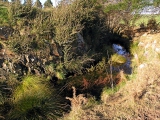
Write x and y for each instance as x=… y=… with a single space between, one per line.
x=34 y=99
x=117 y=59
x=3 y=15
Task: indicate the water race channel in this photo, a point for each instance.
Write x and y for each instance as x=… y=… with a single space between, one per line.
x=126 y=67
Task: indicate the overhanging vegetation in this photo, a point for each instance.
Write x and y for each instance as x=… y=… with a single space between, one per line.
x=45 y=52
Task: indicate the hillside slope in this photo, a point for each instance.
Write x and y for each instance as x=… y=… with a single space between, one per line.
x=139 y=99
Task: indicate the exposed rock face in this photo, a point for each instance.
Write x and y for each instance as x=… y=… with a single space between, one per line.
x=31 y=61
x=21 y=65
x=5 y=32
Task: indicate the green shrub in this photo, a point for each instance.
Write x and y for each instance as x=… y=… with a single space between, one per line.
x=99 y=67
x=152 y=24
x=142 y=25
x=56 y=70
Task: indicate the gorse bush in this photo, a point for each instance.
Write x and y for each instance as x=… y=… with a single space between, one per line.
x=56 y=70
x=37 y=29
x=66 y=23
x=33 y=31
x=70 y=20
x=100 y=66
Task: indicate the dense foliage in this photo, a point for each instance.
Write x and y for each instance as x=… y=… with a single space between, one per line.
x=50 y=49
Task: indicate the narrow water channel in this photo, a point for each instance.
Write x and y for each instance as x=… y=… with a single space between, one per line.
x=126 y=67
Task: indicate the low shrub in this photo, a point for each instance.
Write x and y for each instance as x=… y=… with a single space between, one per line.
x=152 y=24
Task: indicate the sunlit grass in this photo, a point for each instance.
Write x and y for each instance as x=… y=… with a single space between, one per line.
x=34 y=99
x=3 y=15
x=144 y=19
x=117 y=59
x=31 y=86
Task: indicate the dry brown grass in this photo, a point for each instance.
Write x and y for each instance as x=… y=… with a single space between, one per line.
x=139 y=99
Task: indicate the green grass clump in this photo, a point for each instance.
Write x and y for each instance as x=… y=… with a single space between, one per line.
x=145 y=18
x=117 y=59
x=34 y=99
x=31 y=86
x=111 y=91
x=3 y=15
